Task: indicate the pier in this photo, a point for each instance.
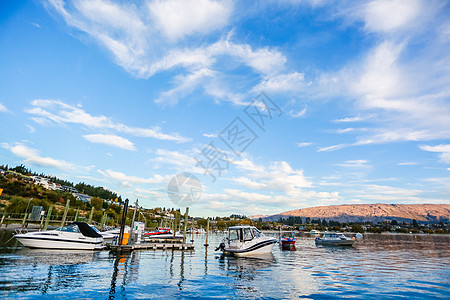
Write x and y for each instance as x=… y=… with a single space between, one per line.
x=152 y=246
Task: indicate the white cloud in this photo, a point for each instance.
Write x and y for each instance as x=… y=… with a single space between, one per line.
x=358 y=163
x=345 y=130
x=407 y=163
x=331 y=148
x=278 y=176
x=348 y=119
x=3 y=108
x=210 y=135
x=303 y=144
x=282 y=83
x=298 y=114
x=127 y=179
x=48 y=111
x=32 y=157
x=444 y=151
x=110 y=140
x=179 y=18
x=390 y=15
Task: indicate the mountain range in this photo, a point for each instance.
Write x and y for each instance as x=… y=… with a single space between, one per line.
x=368 y=213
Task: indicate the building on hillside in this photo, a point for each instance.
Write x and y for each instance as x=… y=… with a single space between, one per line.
x=82 y=197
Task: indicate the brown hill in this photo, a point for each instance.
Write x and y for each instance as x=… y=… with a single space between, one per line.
x=371 y=212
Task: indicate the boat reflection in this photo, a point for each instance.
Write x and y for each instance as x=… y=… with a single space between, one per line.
x=56 y=257
x=246 y=266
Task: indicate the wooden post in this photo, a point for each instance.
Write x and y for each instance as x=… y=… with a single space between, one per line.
x=90 y=216
x=132 y=222
x=42 y=221
x=24 y=219
x=65 y=213
x=47 y=218
x=124 y=218
x=76 y=216
x=175 y=224
x=192 y=231
x=102 y=221
x=1 y=222
x=185 y=224
x=207 y=232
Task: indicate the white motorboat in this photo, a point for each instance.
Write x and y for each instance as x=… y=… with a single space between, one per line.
x=246 y=240
x=335 y=238
x=76 y=235
x=109 y=235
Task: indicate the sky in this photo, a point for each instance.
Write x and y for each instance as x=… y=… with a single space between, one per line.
x=270 y=105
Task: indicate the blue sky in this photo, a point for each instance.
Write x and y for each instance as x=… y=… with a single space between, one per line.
x=127 y=95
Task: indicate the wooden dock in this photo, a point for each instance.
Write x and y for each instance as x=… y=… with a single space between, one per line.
x=152 y=246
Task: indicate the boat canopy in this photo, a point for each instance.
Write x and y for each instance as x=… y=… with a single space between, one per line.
x=84 y=229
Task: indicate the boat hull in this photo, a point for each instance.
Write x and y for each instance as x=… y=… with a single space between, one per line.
x=60 y=243
x=336 y=243
x=255 y=249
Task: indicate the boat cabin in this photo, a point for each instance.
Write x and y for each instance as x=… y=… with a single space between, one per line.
x=243 y=233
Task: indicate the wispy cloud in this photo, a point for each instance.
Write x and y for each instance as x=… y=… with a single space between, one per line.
x=110 y=140
x=31 y=156
x=297 y=114
x=407 y=163
x=3 y=108
x=127 y=179
x=304 y=144
x=358 y=163
x=179 y=18
x=444 y=151
x=56 y=111
x=331 y=148
x=348 y=119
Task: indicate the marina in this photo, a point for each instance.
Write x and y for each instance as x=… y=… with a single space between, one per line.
x=378 y=266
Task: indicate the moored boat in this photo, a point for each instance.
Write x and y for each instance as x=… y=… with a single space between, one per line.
x=335 y=239
x=76 y=235
x=246 y=240
x=287 y=241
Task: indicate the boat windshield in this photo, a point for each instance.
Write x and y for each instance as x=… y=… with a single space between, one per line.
x=70 y=228
x=248 y=234
x=234 y=234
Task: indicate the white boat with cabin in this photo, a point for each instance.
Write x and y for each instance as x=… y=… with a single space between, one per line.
x=246 y=240
x=76 y=235
x=335 y=238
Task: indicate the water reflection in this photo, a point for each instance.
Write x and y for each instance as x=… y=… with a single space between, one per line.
x=386 y=266
x=125 y=270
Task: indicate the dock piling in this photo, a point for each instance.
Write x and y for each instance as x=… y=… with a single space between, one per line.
x=66 y=210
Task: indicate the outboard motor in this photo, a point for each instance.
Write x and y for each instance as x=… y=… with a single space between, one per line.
x=221 y=247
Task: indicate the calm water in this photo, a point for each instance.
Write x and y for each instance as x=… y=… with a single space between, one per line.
x=379 y=266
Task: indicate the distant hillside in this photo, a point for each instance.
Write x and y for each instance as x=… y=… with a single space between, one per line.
x=370 y=213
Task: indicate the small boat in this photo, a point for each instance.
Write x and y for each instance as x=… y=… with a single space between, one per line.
x=246 y=240
x=76 y=235
x=287 y=241
x=335 y=238
x=314 y=233
x=162 y=233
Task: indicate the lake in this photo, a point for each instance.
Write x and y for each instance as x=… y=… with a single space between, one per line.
x=379 y=266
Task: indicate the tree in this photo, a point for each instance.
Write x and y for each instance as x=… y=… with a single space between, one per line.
x=415 y=224
x=394 y=223
x=97 y=203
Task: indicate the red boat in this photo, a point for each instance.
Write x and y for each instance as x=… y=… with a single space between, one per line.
x=160 y=230
x=288 y=241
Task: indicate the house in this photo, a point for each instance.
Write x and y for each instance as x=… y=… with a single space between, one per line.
x=82 y=197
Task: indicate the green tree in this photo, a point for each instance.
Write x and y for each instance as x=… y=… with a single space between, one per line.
x=97 y=203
